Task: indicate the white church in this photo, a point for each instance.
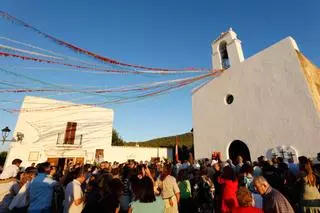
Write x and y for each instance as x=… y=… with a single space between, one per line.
x=62 y=132
x=267 y=104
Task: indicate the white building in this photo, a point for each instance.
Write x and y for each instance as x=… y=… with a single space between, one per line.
x=61 y=132
x=266 y=105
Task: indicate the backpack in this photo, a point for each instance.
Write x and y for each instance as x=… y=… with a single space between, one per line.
x=185 y=192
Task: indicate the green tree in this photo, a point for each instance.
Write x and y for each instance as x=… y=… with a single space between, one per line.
x=116 y=139
x=3 y=156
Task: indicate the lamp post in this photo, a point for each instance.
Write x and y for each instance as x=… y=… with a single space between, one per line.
x=5 y=133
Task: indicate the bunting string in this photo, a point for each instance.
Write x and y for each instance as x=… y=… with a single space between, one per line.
x=6 y=54
x=121 y=100
x=8 y=48
x=65 y=57
x=37 y=81
x=89 y=95
x=83 y=51
x=137 y=87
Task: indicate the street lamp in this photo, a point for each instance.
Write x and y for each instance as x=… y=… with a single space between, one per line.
x=5 y=133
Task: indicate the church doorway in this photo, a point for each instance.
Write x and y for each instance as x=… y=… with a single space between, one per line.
x=63 y=163
x=238 y=147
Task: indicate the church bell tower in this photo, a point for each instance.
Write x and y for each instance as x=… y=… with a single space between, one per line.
x=226 y=50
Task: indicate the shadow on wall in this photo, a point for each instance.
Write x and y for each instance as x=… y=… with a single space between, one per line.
x=269 y=153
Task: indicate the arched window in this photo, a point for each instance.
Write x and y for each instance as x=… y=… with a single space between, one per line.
x=224 y=55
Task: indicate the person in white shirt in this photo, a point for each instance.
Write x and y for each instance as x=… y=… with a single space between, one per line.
x=74 y=197
x=170 y=191
x=14 y=189
x=7 y=177
x=21 y=201
x=12 y=170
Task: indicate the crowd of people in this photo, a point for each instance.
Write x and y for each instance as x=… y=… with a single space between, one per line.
x=270 y=186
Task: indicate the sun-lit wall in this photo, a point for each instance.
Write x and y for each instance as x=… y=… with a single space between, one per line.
x=43 y=122
x=272 y=108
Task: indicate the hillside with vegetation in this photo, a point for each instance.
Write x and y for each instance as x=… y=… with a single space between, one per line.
x=169 y=141
x=185 y=139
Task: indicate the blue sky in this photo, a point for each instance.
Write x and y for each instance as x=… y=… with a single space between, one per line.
x=166 y=33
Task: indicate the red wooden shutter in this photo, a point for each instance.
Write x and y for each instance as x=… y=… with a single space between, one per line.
x=70 y=133
x=66 y=135
x=73 y=132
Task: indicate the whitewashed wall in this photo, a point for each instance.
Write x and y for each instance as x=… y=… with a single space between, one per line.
x=272 y=106
x=41 y=129
x=122 y=154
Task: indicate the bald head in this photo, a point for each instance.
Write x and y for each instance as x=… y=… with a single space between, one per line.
x=260 y=184
x=260 y=179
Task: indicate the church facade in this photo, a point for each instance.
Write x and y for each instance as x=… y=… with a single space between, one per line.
x=267 y=104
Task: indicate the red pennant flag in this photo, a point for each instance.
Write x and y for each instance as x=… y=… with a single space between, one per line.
x=177 y=150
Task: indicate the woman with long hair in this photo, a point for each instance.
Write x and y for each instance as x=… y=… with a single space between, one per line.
x=309 y=196
x=110 y=203
x=147 y=201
